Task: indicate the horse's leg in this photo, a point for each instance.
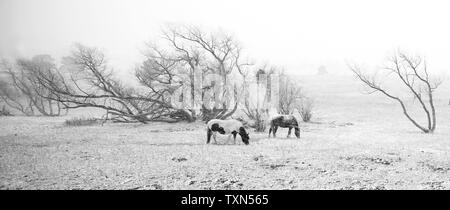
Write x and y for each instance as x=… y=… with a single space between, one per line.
x=270 y=130
x=289 y=132
x=234 y=136
x=215 y=135
x=275 y=131
x=297 y=132
x=208 y=136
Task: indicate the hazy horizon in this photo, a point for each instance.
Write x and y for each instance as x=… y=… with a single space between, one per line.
x=297 y=35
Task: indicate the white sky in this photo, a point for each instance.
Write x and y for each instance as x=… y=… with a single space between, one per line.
x=299 y=35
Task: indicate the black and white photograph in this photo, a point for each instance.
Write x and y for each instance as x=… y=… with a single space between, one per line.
x=208 y=95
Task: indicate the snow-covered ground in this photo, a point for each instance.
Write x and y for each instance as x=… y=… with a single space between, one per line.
x=355 y=141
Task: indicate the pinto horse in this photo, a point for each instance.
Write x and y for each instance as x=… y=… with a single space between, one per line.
x=231 y=127
x=284 y=121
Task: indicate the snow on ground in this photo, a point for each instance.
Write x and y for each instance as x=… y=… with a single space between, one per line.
x=355 y=141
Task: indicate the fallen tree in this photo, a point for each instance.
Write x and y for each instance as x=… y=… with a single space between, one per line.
x=86 y=81
x=195 y=75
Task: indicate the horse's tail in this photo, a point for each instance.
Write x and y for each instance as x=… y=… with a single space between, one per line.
x=296 y=127
x=271 y=125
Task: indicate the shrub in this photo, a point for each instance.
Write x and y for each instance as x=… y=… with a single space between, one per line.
x=259 y=123
x=305 y=109
x=5 y=112
x=82 y=121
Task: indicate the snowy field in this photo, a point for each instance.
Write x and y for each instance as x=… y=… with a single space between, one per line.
x=355 y=141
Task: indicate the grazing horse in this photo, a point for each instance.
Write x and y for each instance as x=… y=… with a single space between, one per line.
x=231 y=127
x=284 y=121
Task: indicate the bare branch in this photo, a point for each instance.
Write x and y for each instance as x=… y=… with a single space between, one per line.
x=408 y=70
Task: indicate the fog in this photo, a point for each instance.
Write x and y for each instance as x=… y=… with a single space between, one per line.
x=297 y=35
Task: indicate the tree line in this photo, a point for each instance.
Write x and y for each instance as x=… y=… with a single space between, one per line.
x=183 y=56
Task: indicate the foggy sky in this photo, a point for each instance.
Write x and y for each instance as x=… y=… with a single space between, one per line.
x=297 y=35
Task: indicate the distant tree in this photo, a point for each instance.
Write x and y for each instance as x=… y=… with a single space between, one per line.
x=5 y=112
x=412 y=73
x=21 y=89
x=322 y=70
x=305 y=107
x=290 y=95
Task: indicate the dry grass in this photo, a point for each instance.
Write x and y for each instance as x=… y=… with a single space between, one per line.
x=355 y=142
x=82 y=121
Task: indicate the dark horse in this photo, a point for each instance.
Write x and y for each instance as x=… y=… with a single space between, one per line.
x=284 y=121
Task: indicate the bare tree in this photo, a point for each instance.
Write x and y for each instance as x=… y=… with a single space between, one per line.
x=290 y=95
x=412 y=73
x=24 y=92
x=255 y=105
x=5 y=112
x=90 y=83
x=192 y=51
x=322 y=70
x=162 y=75
x=305 y=108
x=10 y=97
x=190 y=56
x=252 y=108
